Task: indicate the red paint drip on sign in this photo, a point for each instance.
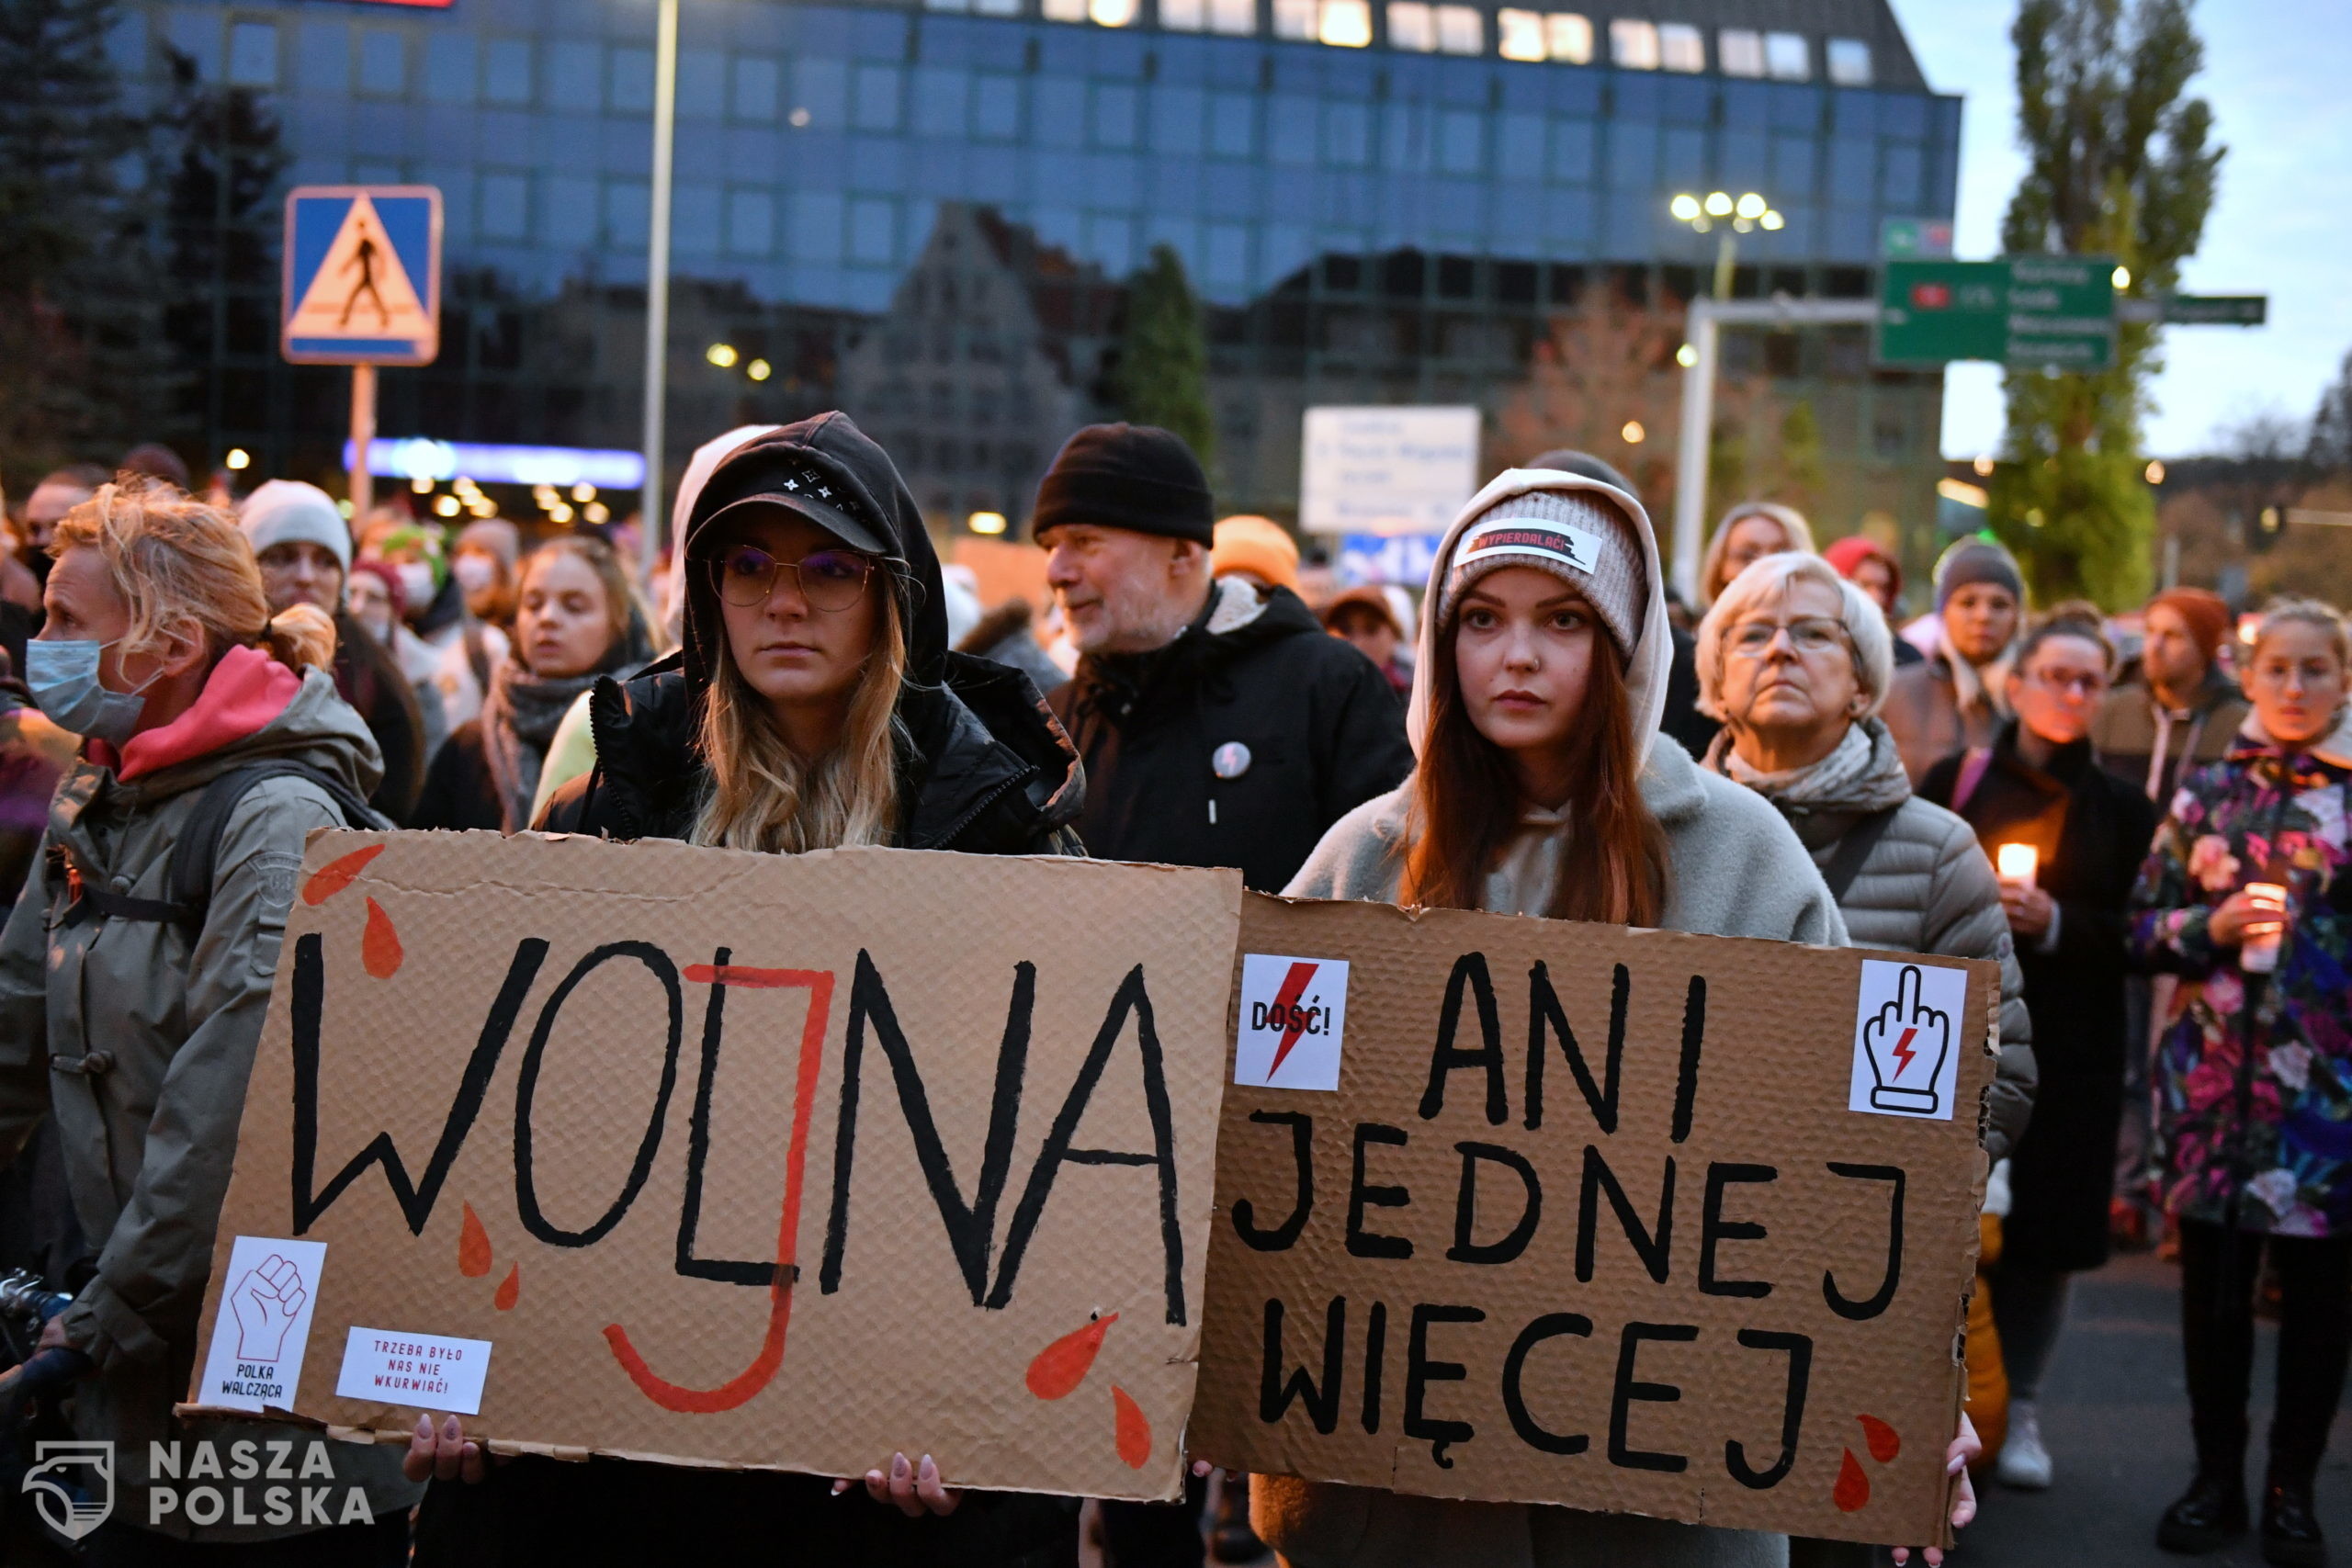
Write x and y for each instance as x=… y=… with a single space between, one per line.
x=1853 y=1489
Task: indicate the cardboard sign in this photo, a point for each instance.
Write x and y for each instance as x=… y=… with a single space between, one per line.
x=1600 y=1217
x=739 y=1159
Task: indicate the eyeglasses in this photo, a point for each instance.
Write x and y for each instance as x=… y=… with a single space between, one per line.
x=1811 y=635
x=2074 y=685
x=746 y=575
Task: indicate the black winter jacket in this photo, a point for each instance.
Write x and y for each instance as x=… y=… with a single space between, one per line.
x=986 y=770
x=2092 y=832
x=1316 y=726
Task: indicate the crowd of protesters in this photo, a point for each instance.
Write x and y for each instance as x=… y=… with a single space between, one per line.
x=2141 y=822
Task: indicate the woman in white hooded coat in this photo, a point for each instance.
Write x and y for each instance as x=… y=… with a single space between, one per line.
x=1543 y=788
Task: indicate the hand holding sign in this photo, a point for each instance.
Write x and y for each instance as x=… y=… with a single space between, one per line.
x=1907 y=1042
x=266 y=1301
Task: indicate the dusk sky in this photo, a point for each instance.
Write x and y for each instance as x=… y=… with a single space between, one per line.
x=2278 y=75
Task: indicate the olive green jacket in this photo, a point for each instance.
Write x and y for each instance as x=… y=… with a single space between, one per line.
x=139 y=1036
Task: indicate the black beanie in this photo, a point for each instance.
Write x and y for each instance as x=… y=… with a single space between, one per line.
x=1135 y=477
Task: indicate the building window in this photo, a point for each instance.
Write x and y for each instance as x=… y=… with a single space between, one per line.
x=1111 y=13
x=878 y=98
x=506 y=71
x=1064 y=10
x=1680 y=47
x=1411 y=24
x=1346 y=24
x=1633 y=45
x=1570 y=37
x=750 y=223
x=506 y=212
x=383 y=63
x=1739 y=52
x=1237 y=19
x=1461 y=29
x=1184 y=16
x=1786 y=59
x=1850 y=62
x=873 y=232
x=1518 y=35
x=757 y=84
x=253 y=54
x=996 y=108
x=1294 y=18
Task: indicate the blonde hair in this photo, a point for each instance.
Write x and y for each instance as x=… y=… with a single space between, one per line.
x=2310 y=611
x=763 y=795
x=175 y=559
x=1870 y=643
x=1792 y=526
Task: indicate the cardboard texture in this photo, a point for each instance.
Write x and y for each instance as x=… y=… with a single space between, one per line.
x=538 y=1097
x=1652 y=1275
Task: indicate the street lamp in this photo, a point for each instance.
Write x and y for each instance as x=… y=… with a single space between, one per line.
x=657 y=281
x=1738 y=215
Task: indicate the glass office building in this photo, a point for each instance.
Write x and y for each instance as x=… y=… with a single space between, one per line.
x=928 y=217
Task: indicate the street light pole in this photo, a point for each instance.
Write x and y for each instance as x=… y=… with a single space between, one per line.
x=657 y=282
x=1703 y=324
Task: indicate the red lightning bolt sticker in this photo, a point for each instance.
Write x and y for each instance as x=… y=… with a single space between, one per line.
x=1294 y=986
x=1903 y=1052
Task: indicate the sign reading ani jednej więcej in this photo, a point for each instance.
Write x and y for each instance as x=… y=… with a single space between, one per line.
x=1529 y=1210
x=796 y=1161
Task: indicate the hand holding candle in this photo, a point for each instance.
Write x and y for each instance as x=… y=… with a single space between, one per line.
x=2266 y=923
x=2028 y=907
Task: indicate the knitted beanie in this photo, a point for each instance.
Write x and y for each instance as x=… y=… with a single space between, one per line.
x=1134 y=477
x=286 y=512
x=1257 y=545
x=1583 y=541
x=1976 y=560
x=2207 y=614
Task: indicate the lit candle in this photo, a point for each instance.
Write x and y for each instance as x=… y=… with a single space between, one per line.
x=2017 y=862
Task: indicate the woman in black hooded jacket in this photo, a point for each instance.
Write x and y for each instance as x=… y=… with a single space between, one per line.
x=815 y=704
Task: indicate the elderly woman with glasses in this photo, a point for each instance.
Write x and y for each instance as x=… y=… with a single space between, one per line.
x=1795 y=660
x=2069 y=836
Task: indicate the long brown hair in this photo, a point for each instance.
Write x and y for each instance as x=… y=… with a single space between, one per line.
x=1466 y=807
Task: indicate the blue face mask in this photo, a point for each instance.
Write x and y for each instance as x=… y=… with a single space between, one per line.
x=64 y=679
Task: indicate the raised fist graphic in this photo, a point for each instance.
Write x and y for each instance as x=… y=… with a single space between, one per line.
x=266 y=1301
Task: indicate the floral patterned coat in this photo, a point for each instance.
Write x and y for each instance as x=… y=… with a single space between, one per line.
x=2263 y=815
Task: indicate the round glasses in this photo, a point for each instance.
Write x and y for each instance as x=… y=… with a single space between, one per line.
x=1813 y=636
x=746 y=575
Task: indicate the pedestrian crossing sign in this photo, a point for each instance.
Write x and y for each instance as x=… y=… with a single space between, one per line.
x=362 y=275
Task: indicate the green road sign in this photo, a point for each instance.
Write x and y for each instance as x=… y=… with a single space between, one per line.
x=2217 y=310
x=1914 y=237
x=2027 y=311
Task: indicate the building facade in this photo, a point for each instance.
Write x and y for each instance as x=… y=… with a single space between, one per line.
x=927 y=215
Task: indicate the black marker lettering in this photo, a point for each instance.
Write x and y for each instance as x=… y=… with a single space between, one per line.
x=1654 y=1248
x=1544 y=1008
x=1421 y=1371
x=1799 y=1350
x=1302 y=1150
x=1859 y=1311
x=1628 y=1391
x=1713 y=1228
x=1362 y=1243
x=1466 y=1248
x=1275 y=1393
x=1469 y=970
x=1551 y=1326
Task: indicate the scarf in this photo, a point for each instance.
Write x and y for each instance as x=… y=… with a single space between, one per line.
x=519 y=719
x=1862 y=773
x=1978 y=687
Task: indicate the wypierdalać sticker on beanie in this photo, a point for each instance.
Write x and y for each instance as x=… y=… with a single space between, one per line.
x=1294 y=1011
x=1907 y=1039
x=1536 y=536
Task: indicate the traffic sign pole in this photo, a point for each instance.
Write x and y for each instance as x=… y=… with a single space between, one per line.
x=362 y=432
x=657 y=287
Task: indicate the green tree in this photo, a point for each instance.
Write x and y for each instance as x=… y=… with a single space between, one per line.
x=2118 y=164
x=1164 y=356
x=62 y=223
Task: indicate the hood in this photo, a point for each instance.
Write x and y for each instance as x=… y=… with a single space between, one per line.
x=706 y=458
x=2335 y=747
x=830 y=444
x=1645 y=672
x=314 y=726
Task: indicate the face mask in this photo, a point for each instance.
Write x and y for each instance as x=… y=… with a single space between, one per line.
x=416 y=583
x=474 y=573
x=63 y=677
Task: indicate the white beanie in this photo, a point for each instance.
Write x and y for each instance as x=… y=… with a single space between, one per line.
x=286 y=512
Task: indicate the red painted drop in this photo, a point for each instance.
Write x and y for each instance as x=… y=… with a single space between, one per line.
x=379 y=945
x=338 y=873
x=1134 y=1429
x=1063 y=1365
x=473 y=1246
x=510 y=1290
x=1884 y=1442
x=1853 y=1491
